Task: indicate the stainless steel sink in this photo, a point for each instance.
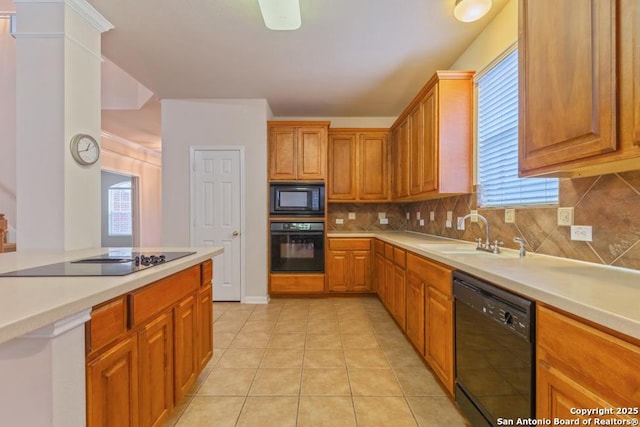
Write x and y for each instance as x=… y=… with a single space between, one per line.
x=464 y=249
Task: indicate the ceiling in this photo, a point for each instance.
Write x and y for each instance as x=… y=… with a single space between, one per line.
x=350 y=58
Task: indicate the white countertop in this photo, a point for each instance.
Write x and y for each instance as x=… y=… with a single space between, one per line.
x=606 y=295
x=29 y=303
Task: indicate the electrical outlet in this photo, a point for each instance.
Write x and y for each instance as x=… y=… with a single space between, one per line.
x=450 y=216
x=460 y=223
x=432 y=216
x=582 y=233
x=565 y=216
x=448 y=223
x=422 y=223
x=474 y=216
x=382 y=215
x=509 y=216
x=352 y=215
x=339 y=221
x=384 y=220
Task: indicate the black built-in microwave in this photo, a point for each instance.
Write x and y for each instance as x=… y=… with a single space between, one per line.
x=297 y=199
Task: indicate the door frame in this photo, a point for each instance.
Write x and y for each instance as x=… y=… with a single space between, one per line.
x=192 y=201
x=135 y=204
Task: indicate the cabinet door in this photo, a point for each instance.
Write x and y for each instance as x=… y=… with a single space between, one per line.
x=338 y=271
x=380 y=277
x=373 y=161
x=415 y=311
x=112 y=386
x=416 y=138
x=400 y=296
x=629 y=37
x=342 y=167
x=311 y=153
x=389 y=290
x=567 y=82
x=205 y=325
x=401 y=161
x=282 y=153
x=360 y=266
x=155 y=350
x=439 y=335
x=185 y=346
x=429 y=154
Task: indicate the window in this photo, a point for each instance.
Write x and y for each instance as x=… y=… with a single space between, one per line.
x=120 y=209
x=498 y=142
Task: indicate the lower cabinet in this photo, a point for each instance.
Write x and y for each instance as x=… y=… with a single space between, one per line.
x=415 y=311
x=349 y=265
x=155 y=344
x=439 y=336
x=579 y=365
x=112 y=385
x=138 y=370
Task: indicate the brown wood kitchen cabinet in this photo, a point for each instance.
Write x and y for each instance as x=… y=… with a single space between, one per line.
x=146 y=348
x=575 y=367
x=297 y=151
x=358 y=165
x=432 y=139
x=579 y=87
x=379 y=274
x=430 y=299
x=349 y=265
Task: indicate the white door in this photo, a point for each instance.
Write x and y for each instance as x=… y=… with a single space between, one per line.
x=216 y=212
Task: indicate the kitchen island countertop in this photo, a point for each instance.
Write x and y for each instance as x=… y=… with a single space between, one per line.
x=609 y=296
x=29 y=303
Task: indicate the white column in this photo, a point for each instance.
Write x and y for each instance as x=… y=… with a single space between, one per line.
x=57 y=96
x=43 y=376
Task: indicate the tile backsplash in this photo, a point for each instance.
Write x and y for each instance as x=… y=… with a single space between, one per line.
x=608 y=203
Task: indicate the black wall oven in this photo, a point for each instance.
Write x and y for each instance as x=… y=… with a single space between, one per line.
x=297 y=199
x=297 y=247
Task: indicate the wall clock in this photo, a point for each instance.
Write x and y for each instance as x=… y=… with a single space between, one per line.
x=84 y=149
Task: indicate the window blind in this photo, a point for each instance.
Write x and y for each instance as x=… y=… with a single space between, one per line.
x=498 y=142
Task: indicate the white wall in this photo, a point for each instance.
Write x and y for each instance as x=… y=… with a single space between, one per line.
x=187 y=123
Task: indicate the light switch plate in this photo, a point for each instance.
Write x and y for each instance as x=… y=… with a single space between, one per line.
x=352 y=215
x=565 y=216
x=448 y=223
x=509 y=216
x=422 y=223
x=339 y=221
x=382 y=215
x=408 y=215
x=449 y=216
x=474 y=216
x=418 y=215
x=432 y=216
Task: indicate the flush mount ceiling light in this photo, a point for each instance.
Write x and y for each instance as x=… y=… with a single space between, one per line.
x=471 y=10
x=281 y=14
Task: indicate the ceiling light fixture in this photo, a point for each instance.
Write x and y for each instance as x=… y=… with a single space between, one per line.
x=281 y=14
x=471 y=10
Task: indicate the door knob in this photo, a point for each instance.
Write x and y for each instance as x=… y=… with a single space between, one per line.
x=236 y=233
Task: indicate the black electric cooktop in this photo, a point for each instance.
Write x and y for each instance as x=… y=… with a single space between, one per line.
x=118 y=263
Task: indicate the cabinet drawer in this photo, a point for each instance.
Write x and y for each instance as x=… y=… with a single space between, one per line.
x=400 y=257
x=297 y=283
x=379 y=245
x=388 y=251
x=108 y=322
x=206 y=272
x=350 y=244
x=433 y=274
x=156 y=297
x=604 y=364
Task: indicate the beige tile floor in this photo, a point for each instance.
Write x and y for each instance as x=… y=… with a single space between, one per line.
x=313 y=362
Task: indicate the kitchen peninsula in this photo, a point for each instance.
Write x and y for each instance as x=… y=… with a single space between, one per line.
x=43 y=348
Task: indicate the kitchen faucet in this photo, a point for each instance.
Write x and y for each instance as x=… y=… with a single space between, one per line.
x=487 y=243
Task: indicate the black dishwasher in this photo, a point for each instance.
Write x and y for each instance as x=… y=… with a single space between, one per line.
x=495 y=352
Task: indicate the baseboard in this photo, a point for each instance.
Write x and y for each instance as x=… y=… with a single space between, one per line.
x=256 y=300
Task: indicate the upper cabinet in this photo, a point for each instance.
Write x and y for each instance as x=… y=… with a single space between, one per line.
x=297 y=151
x=432 y=139
x=579 y=87
x=358 y=165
